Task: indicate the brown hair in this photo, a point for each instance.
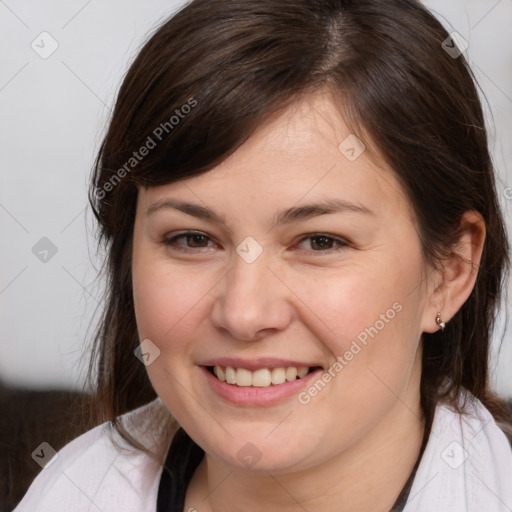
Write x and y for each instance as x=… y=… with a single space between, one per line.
x=235 y=63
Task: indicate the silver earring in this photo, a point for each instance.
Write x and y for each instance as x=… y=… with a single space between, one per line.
x=440 y=322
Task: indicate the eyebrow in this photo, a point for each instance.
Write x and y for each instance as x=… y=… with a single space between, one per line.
x=288 y=216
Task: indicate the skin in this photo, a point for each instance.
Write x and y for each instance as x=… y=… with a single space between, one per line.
x=353 y=446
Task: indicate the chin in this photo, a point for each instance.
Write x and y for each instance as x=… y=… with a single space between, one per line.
x=254 y=453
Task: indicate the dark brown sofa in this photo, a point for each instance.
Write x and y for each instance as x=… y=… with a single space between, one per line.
x=27 y=419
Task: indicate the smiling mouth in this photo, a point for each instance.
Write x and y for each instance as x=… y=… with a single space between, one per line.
x=261 y=378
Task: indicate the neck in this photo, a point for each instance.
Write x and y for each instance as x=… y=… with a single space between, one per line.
x=369 y=476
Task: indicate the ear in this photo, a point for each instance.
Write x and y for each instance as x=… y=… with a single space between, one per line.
x=457 y=278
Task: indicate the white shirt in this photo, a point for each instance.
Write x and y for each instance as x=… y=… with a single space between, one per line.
x=466 y=467
x=91 y=474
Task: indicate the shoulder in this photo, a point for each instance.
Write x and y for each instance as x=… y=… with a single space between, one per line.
x=474 y=435
x=474 y=420
x=100 y=471
x=467 y=454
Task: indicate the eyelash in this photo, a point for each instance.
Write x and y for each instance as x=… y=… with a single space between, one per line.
x=172 y=242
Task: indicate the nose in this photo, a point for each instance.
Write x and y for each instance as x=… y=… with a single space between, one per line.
x=252 y=302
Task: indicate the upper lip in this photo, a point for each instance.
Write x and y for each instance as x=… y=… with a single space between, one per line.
x=258 y=363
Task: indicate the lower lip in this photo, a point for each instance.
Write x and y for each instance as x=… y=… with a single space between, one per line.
x=253 y=396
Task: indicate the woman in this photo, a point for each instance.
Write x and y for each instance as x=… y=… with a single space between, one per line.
x=305 y=258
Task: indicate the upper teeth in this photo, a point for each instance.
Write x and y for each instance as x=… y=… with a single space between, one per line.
x=260 y=378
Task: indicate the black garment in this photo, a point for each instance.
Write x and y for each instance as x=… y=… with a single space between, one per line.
x=182 y=460
x=184 y=457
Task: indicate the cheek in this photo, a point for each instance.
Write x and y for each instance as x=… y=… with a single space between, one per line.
x=368 y=315
x=350 y=303
x=167 y=302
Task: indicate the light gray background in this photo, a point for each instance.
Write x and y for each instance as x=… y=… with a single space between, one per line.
x=53 y=113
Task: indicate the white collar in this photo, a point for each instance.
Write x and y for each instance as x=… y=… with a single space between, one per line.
x=466 y=466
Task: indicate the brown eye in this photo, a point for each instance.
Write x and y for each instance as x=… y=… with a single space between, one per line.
x=196 y=240
x=192 y=240
x=324 y=243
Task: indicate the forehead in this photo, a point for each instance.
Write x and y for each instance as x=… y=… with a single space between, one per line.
x=303 y=155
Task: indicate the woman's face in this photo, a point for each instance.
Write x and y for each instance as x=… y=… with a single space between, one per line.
x=304 y=255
